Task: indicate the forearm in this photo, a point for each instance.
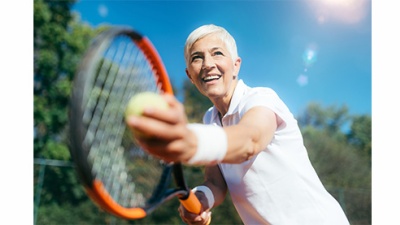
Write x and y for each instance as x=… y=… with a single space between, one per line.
x=216 y=184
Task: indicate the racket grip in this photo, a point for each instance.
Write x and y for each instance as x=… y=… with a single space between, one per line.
x=191 y=203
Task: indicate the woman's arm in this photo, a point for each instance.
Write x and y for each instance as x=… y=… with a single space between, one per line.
x=173 y=141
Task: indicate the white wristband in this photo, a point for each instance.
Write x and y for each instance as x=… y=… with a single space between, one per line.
x=207 y=192
x=212 y=144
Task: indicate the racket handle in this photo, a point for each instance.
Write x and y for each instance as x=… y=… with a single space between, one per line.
x=193 y=205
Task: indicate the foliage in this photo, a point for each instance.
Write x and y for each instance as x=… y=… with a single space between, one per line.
x=195 y=103
x=58 y=45
x=341 y=160
x=59 y=42
x=360 y=135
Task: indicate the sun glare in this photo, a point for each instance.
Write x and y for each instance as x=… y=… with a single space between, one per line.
x=346 y=11
x=338 y=2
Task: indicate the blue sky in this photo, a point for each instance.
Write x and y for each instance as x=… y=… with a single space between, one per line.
x=307 y=51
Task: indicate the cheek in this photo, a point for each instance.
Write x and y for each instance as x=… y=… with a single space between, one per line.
x=194 y=71
x=226 y=68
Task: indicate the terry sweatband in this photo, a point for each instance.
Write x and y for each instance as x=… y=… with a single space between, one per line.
x=212 y=144
x=207 y=192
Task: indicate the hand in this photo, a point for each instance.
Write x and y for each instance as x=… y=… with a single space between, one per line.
x=166 y=133
x=195 y=219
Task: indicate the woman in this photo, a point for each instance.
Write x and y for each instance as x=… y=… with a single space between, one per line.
x=250 y=143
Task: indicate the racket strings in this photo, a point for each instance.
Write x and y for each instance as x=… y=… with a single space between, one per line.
x=110 y=175
x=120 y=186
x=122 y=71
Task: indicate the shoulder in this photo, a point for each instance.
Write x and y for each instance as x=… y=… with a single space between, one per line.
x=266 y=97
x=251 y=93
x=259 y=96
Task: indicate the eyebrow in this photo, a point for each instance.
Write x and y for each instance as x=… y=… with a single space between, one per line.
x=199 y=52
x=195 y=53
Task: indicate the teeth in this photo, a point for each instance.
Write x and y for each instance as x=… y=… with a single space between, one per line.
x=211 y=78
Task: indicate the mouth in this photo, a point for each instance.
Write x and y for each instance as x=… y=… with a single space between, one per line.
x=211 y=78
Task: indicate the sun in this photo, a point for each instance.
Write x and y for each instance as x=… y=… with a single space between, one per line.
x=340 y=3
x=345 y=11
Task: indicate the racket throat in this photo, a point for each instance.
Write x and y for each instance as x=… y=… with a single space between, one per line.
x=180 y=181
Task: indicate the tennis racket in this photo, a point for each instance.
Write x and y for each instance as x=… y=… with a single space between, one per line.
x=115 y=172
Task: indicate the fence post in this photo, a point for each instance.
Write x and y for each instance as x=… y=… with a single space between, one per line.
x=39 y=190
x=43 y=163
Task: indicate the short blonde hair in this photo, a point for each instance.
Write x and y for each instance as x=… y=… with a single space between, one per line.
x=205 y=30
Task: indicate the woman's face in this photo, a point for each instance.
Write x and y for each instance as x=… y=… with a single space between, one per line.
x=211 y=68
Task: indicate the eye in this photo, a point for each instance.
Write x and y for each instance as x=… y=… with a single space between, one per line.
x=196 y=57
x=218 y=53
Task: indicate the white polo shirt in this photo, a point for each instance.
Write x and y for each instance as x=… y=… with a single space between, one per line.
x=279 y=186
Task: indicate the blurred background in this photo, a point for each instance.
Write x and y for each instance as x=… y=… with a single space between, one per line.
x=315 y=54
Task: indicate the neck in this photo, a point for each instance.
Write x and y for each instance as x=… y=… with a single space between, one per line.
x=222 y=103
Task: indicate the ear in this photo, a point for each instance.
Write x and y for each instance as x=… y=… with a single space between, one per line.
x=188 y=75
x=236 y=67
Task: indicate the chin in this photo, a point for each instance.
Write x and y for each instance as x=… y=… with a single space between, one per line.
x=213 y=94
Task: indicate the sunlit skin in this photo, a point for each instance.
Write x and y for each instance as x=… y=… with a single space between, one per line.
x=213 y=71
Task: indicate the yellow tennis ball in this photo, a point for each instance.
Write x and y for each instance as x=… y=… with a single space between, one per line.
x=140 y=101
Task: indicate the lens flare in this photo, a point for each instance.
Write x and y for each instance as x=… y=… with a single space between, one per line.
x=302 y=80
x=310 y=55
x=103 y=10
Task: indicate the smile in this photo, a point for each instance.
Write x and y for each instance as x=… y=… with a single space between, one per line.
x=210 y=78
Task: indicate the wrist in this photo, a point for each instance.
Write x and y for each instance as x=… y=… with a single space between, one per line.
x=212 y=144
x=207 y=193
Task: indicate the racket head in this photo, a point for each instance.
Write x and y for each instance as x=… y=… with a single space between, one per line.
x=116 y=173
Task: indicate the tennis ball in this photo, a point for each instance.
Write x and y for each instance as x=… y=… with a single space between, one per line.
x=140 y=101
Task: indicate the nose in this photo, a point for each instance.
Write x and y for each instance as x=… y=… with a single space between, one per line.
x=208 y=62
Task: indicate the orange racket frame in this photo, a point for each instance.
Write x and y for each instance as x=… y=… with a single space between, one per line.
x=94 y=187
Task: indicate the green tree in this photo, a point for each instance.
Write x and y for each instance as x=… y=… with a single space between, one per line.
x=59 y=42
x=336 y=156
x=196 y=104
x=360 y=135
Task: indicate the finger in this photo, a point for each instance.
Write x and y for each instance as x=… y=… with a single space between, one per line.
x=173 y=115
x=188 y=217
x=171 y=100
x=156 y=128
x=206 y=216
x=158 y=148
